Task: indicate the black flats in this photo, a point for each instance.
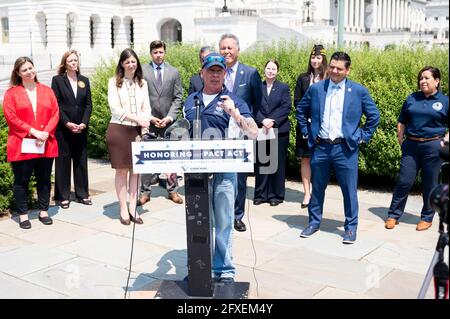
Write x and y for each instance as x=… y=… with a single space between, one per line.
x=136 y=220
x=25 y=224
x=46 y=220
x=64 y=204
x=123 y=221
x=85 y=201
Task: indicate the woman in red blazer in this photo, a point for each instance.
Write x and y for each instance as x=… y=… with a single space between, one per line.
x=32 y=113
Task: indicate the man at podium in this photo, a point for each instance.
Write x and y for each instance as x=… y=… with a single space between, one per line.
x=222 y=115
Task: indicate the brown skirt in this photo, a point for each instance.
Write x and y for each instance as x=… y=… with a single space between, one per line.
x=118 y=139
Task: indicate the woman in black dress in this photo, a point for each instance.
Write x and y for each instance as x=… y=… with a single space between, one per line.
x=317 y=68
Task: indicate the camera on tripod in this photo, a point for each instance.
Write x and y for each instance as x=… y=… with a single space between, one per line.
x=439 y=201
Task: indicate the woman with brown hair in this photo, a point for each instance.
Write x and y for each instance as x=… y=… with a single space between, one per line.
x=75 y=105
x=130 y=112
x=317 y=71
x=31 y=111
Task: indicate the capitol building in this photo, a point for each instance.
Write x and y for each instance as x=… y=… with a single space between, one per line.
x=44 y=29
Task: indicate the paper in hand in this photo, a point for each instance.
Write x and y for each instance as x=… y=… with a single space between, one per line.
x=29 y=146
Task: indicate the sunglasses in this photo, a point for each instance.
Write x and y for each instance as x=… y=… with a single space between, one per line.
x=214 y=58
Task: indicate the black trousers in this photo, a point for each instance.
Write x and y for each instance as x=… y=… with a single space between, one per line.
x=72 y=149
x=23 y=170
x=270 y=171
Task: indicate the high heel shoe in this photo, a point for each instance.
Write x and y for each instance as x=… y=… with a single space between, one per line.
x=136 y=220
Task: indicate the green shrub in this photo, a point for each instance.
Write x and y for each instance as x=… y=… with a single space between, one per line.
x=390 y=75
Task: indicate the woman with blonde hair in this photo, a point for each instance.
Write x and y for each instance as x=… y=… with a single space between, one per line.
x=75 y=106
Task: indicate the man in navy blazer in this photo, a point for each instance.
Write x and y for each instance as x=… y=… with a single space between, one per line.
x=245 y=82
x=335 y=107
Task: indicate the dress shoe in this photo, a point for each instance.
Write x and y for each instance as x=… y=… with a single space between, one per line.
x=239 y=225
x=390 y=223
x=275 y=202
x=309 y=231
x=64 y=204
x=257 y=201
x=46 y=220
x=136 y=220
x=123 y=221
x=85 y=201
x=174 y=197
x=144 y=199
x=349 y=237
x=305 y=205
x=423 y=225
x=25 y=224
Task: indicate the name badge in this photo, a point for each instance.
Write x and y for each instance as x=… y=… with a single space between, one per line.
x=437 y=106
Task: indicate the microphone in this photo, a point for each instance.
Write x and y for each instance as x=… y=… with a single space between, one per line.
x=178 y=130
x=197 y=125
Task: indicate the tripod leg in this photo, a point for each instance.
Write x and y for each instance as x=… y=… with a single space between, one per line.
x=428 y=277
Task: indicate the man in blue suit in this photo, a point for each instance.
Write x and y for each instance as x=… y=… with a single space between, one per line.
x=245 y=82
x=335 y=107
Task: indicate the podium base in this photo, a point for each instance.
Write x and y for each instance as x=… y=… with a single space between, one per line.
x=170 y=289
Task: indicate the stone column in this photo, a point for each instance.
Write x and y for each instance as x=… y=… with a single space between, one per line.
x=81 y=37
x=347 y=15
x=356 y=14
x=361 y=15
x=375 y=20
x=351 y=14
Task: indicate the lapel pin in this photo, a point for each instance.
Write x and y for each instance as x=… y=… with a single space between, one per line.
x=81 y=84
x=242 y=72
x=349 y=89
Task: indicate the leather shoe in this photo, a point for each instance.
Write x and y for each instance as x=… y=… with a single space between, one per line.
x=390 y=223
x=65 y=204
x=257 y=201
x=274 y=202
x=136 y=220
x=305 y=205
x=123 y=221
x=144 y=199
x=46 y=220
x=85 y=201
x=239 y=225
x=423 y=225
x=25 y=224
x=174 y=197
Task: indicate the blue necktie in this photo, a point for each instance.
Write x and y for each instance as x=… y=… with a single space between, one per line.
x=229 y=83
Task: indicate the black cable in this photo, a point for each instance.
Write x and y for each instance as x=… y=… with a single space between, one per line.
x=132 y=237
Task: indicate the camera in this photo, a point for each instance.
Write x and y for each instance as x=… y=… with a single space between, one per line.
x=439 y=201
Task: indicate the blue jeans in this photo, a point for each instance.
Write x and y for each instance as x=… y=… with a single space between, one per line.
x=222 y=196
x=415 y=156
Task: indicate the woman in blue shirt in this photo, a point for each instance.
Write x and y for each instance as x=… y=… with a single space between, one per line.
x=421 y=125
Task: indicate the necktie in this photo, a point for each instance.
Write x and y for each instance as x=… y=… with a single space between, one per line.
x=158 y=77
x=334 y=112
x=229 y=83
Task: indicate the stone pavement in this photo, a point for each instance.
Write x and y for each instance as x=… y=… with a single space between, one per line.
x=85 y=253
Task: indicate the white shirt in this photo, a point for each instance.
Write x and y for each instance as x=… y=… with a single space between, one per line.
x=33 y=99
x=331 y=127
x=74 y=85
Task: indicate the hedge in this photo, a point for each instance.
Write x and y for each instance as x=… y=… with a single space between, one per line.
x=390 y=75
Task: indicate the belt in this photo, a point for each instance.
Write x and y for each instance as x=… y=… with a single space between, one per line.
x=423 y=139
x=328 y=141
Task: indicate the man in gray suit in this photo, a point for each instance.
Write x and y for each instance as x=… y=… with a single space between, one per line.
x=166 y=93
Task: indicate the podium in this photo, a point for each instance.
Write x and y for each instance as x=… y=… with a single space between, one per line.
x=198 y=160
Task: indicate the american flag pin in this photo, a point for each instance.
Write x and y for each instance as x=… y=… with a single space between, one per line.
x=349 y=89
x=242 y=72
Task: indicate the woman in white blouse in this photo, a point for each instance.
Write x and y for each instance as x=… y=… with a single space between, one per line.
x=130 y=112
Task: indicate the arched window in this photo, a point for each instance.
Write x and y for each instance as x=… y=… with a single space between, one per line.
x=171 y=31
